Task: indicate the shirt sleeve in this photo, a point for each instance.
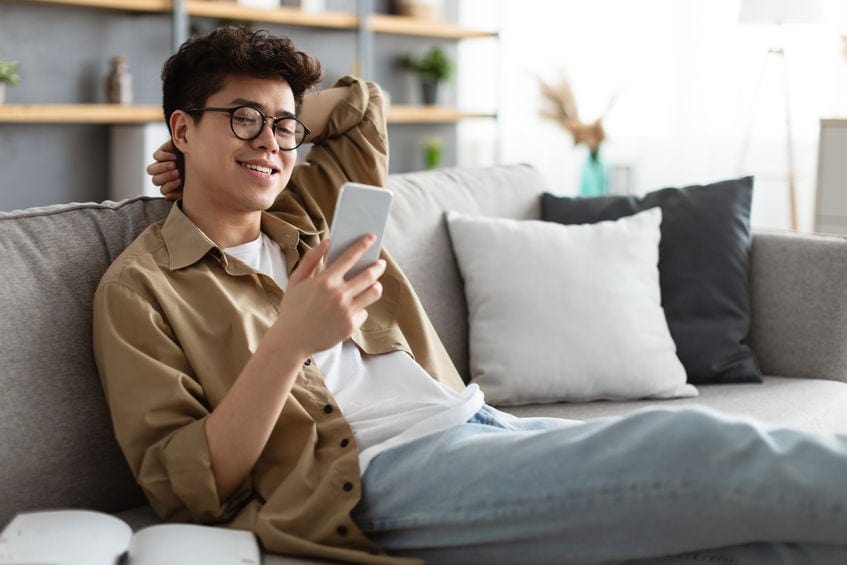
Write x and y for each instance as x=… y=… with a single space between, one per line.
x=158 y=408
x=352 y=148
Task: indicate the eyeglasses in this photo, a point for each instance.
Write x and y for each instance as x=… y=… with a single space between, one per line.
x=247 y=124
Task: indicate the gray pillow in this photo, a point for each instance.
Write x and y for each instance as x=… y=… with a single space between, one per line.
x=704 y=258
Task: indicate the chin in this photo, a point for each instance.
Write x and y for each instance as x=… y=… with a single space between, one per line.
x=266 y=201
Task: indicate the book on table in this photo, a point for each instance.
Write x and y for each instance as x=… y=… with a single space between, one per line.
x=74 y=537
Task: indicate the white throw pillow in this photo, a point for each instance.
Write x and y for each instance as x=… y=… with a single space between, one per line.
x=566 y=313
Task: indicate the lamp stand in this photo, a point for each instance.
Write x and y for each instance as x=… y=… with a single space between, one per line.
x=789 y=141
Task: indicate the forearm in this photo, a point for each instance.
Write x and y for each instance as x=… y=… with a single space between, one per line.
x=353 y=147
x=239 y=427
x=317 y=107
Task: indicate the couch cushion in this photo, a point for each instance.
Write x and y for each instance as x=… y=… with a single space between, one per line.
x=814 y=405
x=55 y=433
x=703 y=262
x=416 y=234
x=566 y=313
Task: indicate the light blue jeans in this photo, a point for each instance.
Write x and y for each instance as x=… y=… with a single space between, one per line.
x=500 y=489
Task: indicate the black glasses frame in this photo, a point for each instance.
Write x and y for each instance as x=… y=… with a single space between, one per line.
x=274 y=123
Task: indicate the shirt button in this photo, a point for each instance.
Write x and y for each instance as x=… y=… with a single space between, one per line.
x=308 y=362
x=345 y=442
x=342 y=530
x=328 y=409
x=347 y=487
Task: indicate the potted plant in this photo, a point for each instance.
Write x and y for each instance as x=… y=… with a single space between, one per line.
x=8 y=75
x=432 y=69
x=433 y=150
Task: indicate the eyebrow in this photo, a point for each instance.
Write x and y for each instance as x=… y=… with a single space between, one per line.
x=254 y=104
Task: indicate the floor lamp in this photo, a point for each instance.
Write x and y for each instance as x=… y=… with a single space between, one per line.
x=779 y=12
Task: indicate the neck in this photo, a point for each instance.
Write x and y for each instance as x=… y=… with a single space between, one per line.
x=227 y=228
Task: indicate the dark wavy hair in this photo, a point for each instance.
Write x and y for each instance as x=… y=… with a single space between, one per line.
x=202 y=64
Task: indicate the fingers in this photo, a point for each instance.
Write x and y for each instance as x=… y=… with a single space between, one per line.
x=347 y=259
x=309 y=263
x=167 y=182
x=161 y=167
x=164 y=171
x=360 y=318
x=363 y=289
x=165 y=152
x=166 y=176
x=370 y=295
x=163 y=162
x=172 y=190
x=367 y=277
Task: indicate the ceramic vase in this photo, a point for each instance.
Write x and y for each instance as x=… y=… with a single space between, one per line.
x=593 y=181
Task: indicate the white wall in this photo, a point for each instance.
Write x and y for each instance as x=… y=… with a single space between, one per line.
x=687 y=74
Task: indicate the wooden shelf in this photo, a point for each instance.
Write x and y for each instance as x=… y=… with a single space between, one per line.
x=281 y=15
x=137 y=114
x=430 y=115
x=403 y=25
x=130 y=5
x=79 y=114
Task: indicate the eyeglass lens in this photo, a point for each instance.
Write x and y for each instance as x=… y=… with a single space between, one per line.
x=247 y=123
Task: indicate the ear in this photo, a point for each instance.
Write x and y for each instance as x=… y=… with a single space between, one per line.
x=180 y=123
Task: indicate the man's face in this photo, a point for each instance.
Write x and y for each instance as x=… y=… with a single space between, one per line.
x=230 y=174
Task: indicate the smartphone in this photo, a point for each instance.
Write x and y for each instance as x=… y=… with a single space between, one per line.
x=361 y=209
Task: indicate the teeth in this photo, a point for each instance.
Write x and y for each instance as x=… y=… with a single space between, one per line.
x=259 y=168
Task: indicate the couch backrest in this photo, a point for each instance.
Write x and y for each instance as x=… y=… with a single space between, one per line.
x=417 y=237
x=55 y=433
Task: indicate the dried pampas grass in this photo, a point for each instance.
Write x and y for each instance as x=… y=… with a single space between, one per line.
x=560 y=107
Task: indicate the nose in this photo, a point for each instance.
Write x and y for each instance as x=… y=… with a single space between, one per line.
x=267 y=138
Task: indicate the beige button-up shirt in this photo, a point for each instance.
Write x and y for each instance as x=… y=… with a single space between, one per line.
x=176 y=319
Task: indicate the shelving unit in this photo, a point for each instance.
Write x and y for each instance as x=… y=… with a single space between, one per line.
x=376 y=23
x=358 y=30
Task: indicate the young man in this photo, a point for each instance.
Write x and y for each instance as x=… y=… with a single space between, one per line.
x=251 y=386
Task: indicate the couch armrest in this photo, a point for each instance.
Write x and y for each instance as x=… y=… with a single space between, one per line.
x=798 y=286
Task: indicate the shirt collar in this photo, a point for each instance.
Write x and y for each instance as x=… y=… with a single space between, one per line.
x=187 y=243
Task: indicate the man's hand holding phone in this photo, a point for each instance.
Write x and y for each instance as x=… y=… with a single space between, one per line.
x=332 y=302
x=321 y=308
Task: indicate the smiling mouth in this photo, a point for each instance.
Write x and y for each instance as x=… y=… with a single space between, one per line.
x=266 y=170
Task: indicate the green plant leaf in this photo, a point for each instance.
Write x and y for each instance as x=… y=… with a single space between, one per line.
x=9 y=72
x=434 y=65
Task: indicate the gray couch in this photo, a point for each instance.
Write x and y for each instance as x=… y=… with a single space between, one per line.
x=57 y=444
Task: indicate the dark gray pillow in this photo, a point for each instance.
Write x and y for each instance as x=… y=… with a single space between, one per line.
x=704 y=258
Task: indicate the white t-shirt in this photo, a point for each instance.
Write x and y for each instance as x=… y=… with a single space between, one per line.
x=388 y=399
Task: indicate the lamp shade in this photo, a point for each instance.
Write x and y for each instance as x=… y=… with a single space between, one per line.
x=780 y=11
